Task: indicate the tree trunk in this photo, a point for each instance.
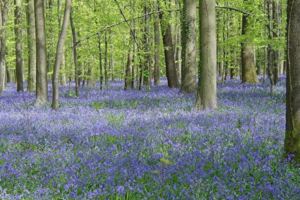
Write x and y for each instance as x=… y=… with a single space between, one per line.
x=111 y=59
x=8 y=78
x=178 y=47
x=157 y=33
x=273 y=7
x=189 y=53
x=134 y=57
x=75 y=57
x=207 y=89
x=169 y=46
x=100 y=62
x=59 y=53
x=31 y=45
x=41 y=56
x=147 y=68
x=248 y=55
x=128 y=71
x=292 y=138
x=18 y=46
x=63 y=78
x=169 y=58
x=105 y=59
x=3 y=20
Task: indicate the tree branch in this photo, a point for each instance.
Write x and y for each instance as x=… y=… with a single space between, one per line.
x=233 y=9
x=103 y=29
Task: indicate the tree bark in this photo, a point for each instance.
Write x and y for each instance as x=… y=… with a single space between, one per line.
x=292 y=137
x=207 y=89
x=273 y=10
x=41 y=56
x=111 y=59
x=100 y=61
x=248 y=54
x=157 y=33
x=59 y=53
x=18 y=46
x=105 y=60
x=31 y=40
x=178 y=47
x=63 y=78
x=169 y=45
x=134 y=57
x=3 y=20
x=147 y=68
x=189 y=38
x=75 y=56
x=128 y=70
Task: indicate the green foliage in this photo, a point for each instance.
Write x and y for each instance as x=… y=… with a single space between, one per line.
x=115 y=120
x=115 y=104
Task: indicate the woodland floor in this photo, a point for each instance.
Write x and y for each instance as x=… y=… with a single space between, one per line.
x=114 y=144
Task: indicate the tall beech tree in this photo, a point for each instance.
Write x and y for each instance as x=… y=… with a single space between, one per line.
x=207 y=89
x=63 y=77
x=59 y=54
x=31 y=40
x=3 y=21
x=74 y=51
x=100 y=61
x=157 y=39
x=189 y=38
x=41 y=55
x=274 y=14
x=292 y=138
x=248 y=52
x=146 y=47
x=18 y=46
x=168 y=31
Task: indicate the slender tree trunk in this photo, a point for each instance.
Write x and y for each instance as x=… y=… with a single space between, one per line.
x=89 y=77
x=18 y=46
x=277 y=23
x=141 y=72
x=75 y=56
x=63 y=78
x=178 y=42
x=189 y=53
x=207 y=89
x=111 y=60
x=292 y=138
x=31 y=45
x=100 y=62
x=178 y=55
x=105 y=60
x=270 y=51
x=157 y=33
x=8 y=75
x=3 y=20
x=134 y=56
x=59 y=53
x=41 y=56
x=147 y=68
x=169 y=47
x=273 y=33
x=128 y=71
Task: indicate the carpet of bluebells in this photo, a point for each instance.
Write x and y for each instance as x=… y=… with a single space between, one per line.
x=116 y=144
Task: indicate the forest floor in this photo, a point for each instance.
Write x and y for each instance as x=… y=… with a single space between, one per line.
x=116 y=144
